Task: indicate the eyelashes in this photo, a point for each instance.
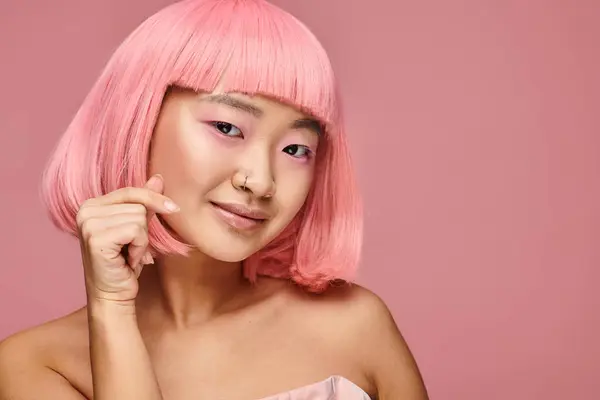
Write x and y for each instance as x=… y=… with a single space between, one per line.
x=294 y=150
x=226 y=129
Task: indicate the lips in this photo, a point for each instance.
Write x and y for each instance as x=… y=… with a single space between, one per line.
x=239 y=216
x=243 y=211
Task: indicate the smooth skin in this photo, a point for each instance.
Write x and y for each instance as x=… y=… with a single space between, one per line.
x=193 y=327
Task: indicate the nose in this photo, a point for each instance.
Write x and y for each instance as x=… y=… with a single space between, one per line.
x=255 y=174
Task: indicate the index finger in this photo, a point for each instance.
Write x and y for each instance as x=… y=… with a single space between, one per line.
x=152 y=200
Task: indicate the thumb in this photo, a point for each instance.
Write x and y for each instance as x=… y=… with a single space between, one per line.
x=156 y=184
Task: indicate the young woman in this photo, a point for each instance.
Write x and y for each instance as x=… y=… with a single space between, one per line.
x=212 y=151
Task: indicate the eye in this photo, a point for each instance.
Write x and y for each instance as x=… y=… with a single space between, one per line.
x=298 y=151
x=226 y=129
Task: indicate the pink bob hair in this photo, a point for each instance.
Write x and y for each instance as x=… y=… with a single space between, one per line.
x=245 y=46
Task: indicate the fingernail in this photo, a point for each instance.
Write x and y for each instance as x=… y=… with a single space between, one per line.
x=147 y=259
x=153 y=179
x=169 y=205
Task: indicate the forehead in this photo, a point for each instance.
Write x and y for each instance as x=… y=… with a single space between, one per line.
x=256 y=105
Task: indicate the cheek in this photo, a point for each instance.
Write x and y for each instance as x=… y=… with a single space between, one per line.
x=191 y=162
x=292 y=191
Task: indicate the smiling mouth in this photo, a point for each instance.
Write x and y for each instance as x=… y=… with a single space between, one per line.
x=238 y=217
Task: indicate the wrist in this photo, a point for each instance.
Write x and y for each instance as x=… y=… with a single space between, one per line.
x=102 y=308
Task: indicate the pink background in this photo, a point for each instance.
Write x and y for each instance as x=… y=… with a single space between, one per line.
x=476 y=130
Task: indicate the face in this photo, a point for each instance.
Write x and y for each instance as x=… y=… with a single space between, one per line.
x=239 y=167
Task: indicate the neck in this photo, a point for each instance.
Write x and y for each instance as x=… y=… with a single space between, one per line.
x=189 y=290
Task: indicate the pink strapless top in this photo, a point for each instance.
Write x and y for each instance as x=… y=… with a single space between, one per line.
x=332 y=388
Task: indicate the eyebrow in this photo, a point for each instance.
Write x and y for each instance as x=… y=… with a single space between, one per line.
x=234 y=103
x=309 y=124
x=304 y=123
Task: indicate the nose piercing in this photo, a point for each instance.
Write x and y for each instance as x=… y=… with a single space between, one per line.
x=244 y=184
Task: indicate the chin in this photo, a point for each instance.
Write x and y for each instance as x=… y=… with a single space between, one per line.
x=223 y=240
x=223 y=246
x=228 y=255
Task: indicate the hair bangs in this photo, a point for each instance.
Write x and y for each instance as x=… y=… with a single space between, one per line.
x=259 y=50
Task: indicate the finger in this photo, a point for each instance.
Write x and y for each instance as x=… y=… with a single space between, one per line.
x=150 y=199
x=108 y=244
x=155 y=184
x=137 y=254
x=136 y=248
x=137 y=270
x=96 y=225
x=96 y=211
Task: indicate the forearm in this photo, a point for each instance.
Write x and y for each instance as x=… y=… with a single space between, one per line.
x=121 y=366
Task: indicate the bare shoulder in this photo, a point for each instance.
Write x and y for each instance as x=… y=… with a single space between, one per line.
x=352 y=307
x=33 y=360
x=360 y=321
